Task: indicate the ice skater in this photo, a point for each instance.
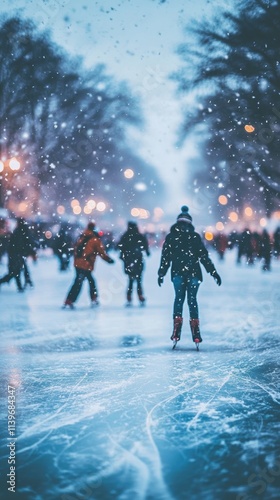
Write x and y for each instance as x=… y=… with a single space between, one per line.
x=132 y=245
x=21 y=245
x=183 y=249
x=88 y=246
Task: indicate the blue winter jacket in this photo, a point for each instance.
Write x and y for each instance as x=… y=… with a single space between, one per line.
x=183 y=249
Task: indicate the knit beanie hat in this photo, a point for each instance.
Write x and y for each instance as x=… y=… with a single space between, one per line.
x=184 y=216
x=91 y=226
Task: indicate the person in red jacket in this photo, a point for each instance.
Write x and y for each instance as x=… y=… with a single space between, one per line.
x=88 y=246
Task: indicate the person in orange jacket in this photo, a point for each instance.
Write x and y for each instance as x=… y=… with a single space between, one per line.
x=88 y=246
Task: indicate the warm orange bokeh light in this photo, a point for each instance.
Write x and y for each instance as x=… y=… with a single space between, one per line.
x=223 y=199
x=233 y=217
x=135 y=212
x=248 y=211
x=220 y=226
x=249 y=128
x=77 y=210
x=87 y=210
x=75 y=203
x=208 y=236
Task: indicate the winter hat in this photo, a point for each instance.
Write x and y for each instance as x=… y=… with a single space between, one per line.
x=131 y=225
x=91 y=226
x=184 y=216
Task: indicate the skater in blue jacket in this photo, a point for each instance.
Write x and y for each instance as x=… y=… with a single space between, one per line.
x=183 y=249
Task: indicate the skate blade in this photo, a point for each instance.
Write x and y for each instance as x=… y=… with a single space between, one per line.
x=174 y=344
x=197 y=344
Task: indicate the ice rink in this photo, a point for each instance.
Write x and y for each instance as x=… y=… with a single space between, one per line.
x=106 y=410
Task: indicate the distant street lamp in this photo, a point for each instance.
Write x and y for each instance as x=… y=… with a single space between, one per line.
x=7 y=166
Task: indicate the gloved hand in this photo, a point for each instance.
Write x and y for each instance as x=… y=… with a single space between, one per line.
x=217 y=277
x=160 y=280
x=111 y=261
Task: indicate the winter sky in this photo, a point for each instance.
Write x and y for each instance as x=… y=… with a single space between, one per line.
x=137 y=41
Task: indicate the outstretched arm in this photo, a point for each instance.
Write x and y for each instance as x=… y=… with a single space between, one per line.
x=103 y=254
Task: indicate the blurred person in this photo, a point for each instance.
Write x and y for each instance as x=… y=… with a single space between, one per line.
x=256 y=245
x=276 y=242
x=21 y=245
x=4 y=238
x=63 y=248
x=245 y=247
x=87 y=248
x=233 y=239
x=183 y=250
x=221 y=244
x=265 y=250
x=132 y=244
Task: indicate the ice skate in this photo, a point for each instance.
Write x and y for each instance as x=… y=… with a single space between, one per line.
x=128 y=300
x=194 y=324
x=142 y=300
x=94 y=301
x=177 y=327
x=68 y=303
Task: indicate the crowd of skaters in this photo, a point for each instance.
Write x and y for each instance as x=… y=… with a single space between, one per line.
x=26 y=239
x=183 y=250
x=252 y=246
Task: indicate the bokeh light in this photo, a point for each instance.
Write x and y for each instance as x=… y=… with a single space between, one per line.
x=220 y=226
x=233 y=217
x=77 y=210
x=87 y=210
x=223 y=199
x=249 y=128
x=75 y=203
x=91 y=204
x=135 y=212
x=128 y=173
x=48 y=235
x=60 y=209
x=101 y=206
x=209 y=236
x=14 y=164
x=248 y=211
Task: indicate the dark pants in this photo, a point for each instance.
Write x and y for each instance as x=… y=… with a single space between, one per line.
x=26 y=271
x=138 y=280
x=74 y=291
x=183 y=286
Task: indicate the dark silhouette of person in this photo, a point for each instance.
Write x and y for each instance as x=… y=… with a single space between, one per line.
x=183 y=250
x=21 y=246
x=63 y=248
x=276 y=242
x=132 y=244
x=266 y=250
x=221 y=244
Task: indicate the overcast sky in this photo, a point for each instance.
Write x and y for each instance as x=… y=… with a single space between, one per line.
x=137 y=40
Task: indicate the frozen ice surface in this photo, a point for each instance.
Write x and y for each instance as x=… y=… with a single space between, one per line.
x=106 y=410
